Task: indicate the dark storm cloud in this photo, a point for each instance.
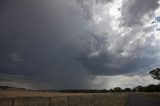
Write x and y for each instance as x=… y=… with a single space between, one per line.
x=39 y=39
x=106 y=64
x=52 y=42
x=134 y=10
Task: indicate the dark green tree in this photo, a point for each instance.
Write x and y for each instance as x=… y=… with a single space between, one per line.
x=127 y=89
x=117 y=89
x=139 y=88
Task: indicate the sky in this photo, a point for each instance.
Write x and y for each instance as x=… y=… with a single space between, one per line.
x=79 y=44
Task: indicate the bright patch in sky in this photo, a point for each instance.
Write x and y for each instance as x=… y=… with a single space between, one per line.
x=125 y=43
x=124 y=81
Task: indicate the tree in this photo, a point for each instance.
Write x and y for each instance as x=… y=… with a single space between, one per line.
x=155 y=73
x=134 y=89
x=117 y=89
x=139 y=88
x=127 y=89
x=111 y=90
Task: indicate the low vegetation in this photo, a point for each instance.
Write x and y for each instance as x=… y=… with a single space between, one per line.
x=62 y=99
x=12 y=94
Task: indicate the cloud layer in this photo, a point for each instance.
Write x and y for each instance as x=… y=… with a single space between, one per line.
x=67 y=44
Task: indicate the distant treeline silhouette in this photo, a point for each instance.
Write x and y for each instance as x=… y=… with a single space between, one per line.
x=11 y=88
x=149 y=88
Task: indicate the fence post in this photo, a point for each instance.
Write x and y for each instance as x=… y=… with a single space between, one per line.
x=93 y=99
x=68 y=99
x=80 y=99
x=49 y=101
x=13 y=102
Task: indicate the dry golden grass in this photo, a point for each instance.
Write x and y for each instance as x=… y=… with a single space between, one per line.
x=33 y=98
x=34 y=94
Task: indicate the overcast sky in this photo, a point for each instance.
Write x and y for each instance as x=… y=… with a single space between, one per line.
x=74 y=44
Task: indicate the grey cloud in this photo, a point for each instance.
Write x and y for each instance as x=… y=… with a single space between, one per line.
x=46 y=36
x=103 y=1
x=125 y=57
x=51 y=42
x=111 y=65
x=133 y=10
x=128 y=54
x=21 y=81
x=16 y=58
x=88 y=6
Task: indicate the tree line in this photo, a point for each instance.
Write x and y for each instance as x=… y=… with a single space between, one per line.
x=149 y=88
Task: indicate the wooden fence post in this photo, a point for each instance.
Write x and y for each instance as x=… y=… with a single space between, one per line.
x=68 y=100
x=13 y=102
x=93 y=100
x=49 y=101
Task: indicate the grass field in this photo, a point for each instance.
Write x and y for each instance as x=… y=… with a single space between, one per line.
x=33 y=98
